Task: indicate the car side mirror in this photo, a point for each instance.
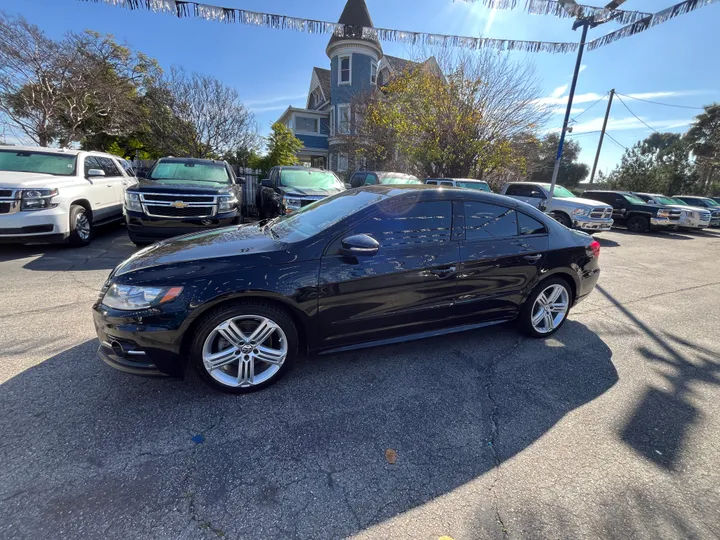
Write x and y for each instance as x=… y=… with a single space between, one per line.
x=240 y=180
x=359 y=245
x=266 y=182
x=95 y=172
x=141 y=174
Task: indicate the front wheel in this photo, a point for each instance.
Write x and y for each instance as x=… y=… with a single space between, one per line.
x=244 y=347
x=546 y=309
x=81 y=227
x=638 y=224
x=562 y=218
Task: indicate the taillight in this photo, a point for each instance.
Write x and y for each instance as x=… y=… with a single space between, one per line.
x=595 y=246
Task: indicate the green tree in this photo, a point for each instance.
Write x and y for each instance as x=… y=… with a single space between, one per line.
x=703 y=138
x=283 y=147
x=570 y=174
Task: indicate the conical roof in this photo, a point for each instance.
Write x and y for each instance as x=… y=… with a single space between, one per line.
x=355 y=16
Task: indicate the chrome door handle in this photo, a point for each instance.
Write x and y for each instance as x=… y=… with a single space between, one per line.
x=532 y=258
x=443 y=272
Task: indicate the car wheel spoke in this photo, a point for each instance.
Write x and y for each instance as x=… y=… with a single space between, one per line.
x=246 y=371
x=554 y=295
x=220 y=359
x=262 y=332
x=271 y=356
x=549 y=321
x=232 y=334
x=538 y=317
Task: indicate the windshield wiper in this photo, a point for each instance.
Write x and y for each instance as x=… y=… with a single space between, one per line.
x=268 y=228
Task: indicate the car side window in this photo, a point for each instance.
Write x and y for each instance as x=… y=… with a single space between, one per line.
x=488 y=221
x=518 y=190
x=446 y=183
x=371 y=180
x=91 y=162
x=529 y=225
x=108 y=165
x=404 y=224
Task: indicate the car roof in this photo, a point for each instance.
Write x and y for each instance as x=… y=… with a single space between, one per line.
x=45 y=150
x=459 y=180
x=427 y=192
x=189 y=160
x=693 y=196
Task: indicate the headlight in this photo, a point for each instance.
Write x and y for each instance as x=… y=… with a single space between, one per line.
x=37 y=199
x=131 y=298
x=663 y=213
x=580 y=212
x=291 y=204
x=227 y=203
x=132 y=202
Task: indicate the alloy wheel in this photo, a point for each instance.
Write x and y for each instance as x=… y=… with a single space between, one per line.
x=550 y=308
x=245 y=351
x=82 y=226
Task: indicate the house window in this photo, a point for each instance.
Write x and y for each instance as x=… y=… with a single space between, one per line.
x=343 y=119
x=344 y=72
x=304 y=124
x=342 y=162
x=373 y=73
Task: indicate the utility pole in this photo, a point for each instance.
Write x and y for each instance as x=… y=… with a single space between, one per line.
x=602 y=135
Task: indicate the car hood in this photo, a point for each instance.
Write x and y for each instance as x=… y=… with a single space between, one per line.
x=179 y=186
x=310 y=192
x=16 y=180
x=691 y=208
x=579 y=201
x=246 y=241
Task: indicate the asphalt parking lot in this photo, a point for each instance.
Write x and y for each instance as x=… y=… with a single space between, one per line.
x=610 y=429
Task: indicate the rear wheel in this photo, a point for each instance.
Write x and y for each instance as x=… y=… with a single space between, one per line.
x=81 y=227
x=546 y=309
x=638 y=224
x=244 y=347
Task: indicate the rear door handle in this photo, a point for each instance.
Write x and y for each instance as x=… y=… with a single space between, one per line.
x=443 y=272
x=532 y=258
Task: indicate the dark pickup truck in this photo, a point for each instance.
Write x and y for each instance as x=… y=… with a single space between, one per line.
x=288 y=189
x=182 y=195
x=636 y=215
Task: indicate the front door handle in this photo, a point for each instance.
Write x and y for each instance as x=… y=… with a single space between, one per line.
x=532 y=258
x=443 y=272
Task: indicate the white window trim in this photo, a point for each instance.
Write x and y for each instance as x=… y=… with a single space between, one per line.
x=332 y=121
x=340 y=59
x=340 y=156
x=340 y=116
x=374 y=64
x=295 y=117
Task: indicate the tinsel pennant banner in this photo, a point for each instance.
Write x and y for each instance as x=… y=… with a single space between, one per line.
x=553 y=7
x=181 y=8
x=648 y=22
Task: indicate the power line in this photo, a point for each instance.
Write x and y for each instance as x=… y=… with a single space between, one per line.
x=590 y=107
x=613 y=140
x=665 y=104
x=583 y=133
x=636 y=116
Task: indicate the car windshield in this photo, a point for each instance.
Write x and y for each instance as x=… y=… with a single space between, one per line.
x=711 y=202
x=299 y=179
x=189 y=170
x=560 y=192
x=398 y=179
x=482 y=186
x=37 y=162
x=664 y=200
x=679 y=201
x=633 y=199
x=321 y=214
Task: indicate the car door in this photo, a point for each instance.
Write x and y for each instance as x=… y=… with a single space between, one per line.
x=620 y=207
x=114 y=176
x=102 y=190
x=502 y=252
x=408 y=286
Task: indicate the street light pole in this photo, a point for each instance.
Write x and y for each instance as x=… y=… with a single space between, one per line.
x=602 y=135
x=585 y=23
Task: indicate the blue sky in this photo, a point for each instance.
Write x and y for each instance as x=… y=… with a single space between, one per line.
x=674 y=63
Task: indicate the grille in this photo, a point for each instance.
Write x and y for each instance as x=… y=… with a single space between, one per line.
x=600 y=213
x=4 y=208
x=169 y=211
x=674 y=215
x=715 y=215
x=704 y=216
x=172 y=198
x=6 y=192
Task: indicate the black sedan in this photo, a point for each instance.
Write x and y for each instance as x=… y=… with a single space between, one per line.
x=367 y=266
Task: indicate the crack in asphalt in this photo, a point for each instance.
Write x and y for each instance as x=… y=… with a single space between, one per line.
x=488 y=375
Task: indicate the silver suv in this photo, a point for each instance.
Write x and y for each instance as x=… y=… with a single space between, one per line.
x=573 y=212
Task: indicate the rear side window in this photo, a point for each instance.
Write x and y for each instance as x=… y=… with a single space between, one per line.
x=371 y=180
x=409 y=224
x=519 y=190
x=108 y=165
x=529 y=225
x=92 y=162
x=487 y=221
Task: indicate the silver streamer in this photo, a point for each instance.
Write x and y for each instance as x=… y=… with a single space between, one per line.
x=648 y=22
x=568 y=11
x=208 y=12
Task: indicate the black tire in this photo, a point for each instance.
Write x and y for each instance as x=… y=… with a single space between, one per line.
x=526 y=311
x=78 y=235
x=638 y=224
x=563 y=219
x=248 y=307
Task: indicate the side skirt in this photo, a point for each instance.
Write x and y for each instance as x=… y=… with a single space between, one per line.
x=413 y=337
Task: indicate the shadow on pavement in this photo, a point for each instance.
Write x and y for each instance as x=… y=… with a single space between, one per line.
x=606 y=242
x=668 y=235
x=91 y=452
x=658 y=426
x=109 y=247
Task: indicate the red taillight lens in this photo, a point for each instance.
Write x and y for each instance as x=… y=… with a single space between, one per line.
x=595 y=246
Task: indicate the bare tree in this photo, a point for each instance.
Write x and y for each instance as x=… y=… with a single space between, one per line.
x=220 y=120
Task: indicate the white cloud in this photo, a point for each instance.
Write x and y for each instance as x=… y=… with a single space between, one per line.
x=559 y=91
x=268 y=108
x=554 y=99
x=626 y=124
x=490 y=21
x=573 y=110
x=268 y=101
x=582 y=67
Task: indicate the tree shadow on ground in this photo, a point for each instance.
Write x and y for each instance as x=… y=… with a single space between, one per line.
x=90 y=452
x=657 y=428
x=109 y=247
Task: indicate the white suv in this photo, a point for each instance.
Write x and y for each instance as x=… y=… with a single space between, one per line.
x=54 y=195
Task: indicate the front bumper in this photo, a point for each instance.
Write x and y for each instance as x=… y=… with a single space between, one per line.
x=715 y=222
x=41 y=226
x=141 y=343
x=142 y=228
x=664 y=222
x=585 y=223
x=692 y=223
